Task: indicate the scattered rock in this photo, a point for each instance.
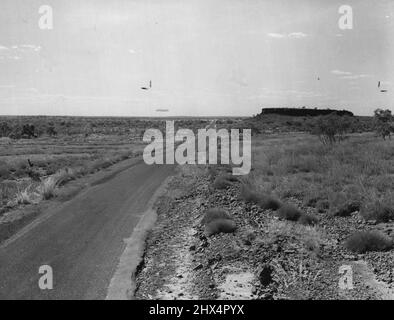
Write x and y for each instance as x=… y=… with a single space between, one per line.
x=198 y=267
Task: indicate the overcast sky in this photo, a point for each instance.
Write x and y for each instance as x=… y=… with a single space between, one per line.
x=204 y=57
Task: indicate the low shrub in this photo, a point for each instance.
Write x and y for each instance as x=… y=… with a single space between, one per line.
x=24 y=197
x=5 y=173
x=214 y=214
x=322 y=205
x=346 y=209
x=47 y=188
x=221 y=182
x=378 y=210
x=308 y=219
x=220 y=225
x=224 y=181
x=263 y=200
x=212 y=173
x=364 y=241
x=289 y=212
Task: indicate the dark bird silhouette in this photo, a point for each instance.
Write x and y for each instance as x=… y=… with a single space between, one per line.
x=379 y=84
x=318 y=78
x=147 y=88
x=30 y=163
x=383 y=90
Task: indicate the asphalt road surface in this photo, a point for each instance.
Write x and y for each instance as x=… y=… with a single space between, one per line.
x=82 y=241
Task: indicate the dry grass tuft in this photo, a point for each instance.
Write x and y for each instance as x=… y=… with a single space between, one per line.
x=377 y=210
x=365 y=241
x=224 y=181
x=289 y=212
x=214 y=214
x=308 y=219
x=265 y=201
x=220 y=225
x=24 y=197
x=48 y=187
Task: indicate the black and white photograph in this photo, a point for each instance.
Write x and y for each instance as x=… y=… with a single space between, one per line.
x=223 y=152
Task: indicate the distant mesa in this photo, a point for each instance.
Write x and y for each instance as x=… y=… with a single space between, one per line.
x=303 y=112
x=162 y=110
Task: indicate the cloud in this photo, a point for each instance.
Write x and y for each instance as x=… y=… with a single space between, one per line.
x=132 y=51
x=292 y=35
x=32 y=90
x=297 y=35
x=276 y=35
x=356 y=76
x=16 y=52
x=29 y=47
x=349 y=76
x=286 y=93
x=340 y=73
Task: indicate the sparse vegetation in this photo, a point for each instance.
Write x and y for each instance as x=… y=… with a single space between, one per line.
x=365 y=241
x=263 y=200
x=214 y=214
x=220 y=225
x=308 y=219
x=378 y=210
x=340 y=180
x=25 y=196
x=217 y=220
x=331 y=128
x=222 y=182
x=35 y=148
x=289 y=212
x=384 y=122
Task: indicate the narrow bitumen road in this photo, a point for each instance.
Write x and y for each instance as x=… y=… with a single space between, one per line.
x=82 y=240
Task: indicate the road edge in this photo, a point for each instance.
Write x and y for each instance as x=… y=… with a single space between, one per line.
x=48 y=208
x=122 y=285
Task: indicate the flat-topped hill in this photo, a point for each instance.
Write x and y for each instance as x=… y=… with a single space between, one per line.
x=303 y=112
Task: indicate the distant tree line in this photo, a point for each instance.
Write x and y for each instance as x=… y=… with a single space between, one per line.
x=25 y=130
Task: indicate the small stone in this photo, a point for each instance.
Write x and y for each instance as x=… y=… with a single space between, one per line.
x=266 y=296
x=198 y=267
x=205 y=244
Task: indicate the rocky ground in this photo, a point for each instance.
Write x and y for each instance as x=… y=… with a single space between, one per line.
x=265 y=258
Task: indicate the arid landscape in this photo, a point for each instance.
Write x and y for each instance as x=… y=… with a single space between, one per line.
x=204 y=150
x=315 y=201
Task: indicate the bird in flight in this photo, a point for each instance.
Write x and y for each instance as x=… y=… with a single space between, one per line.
x=147 y=88
x=379 y=84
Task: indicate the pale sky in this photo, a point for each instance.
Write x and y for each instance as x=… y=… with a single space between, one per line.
x=204 y=57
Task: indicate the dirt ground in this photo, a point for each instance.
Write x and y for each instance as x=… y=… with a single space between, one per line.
x=266 y=258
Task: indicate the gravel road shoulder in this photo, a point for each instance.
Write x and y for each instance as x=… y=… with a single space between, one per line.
x=266 y=258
